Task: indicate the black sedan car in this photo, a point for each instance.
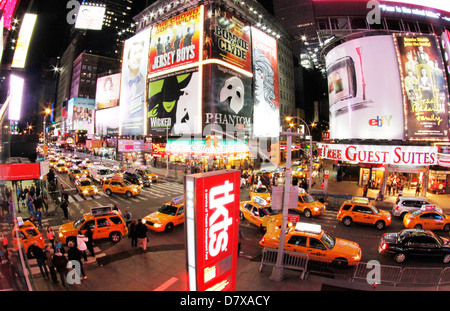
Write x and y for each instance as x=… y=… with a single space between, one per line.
x=136 y=179
x=414 y=242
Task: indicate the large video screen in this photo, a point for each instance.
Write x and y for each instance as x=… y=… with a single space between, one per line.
x=174 y=103
x=132 y=91
x=108 y=91
x=364 y=90
x=79 y=115
x=106 y=122
x=424 y=85
x=175 y=42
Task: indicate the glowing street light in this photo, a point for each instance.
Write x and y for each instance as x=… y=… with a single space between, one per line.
x=47 y=113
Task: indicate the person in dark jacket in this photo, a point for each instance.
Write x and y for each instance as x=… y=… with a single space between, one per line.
x=132 y=233
x=75 y=254
x=141 y=234
x=38 y=253
x=90 y=242
x=60 y=263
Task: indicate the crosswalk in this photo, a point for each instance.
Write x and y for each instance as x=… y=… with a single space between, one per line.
x=156 y=190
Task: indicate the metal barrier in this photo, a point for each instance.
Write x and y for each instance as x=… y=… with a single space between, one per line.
x=388 y=274
x=291 y=260
x=420 y=276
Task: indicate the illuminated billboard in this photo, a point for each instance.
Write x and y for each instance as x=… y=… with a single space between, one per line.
x=7 y=7
x=266 y=111
x=106 y=122
x=212 y=228
x=176 y=41
x=132 y=90
x=227 y=38
x=23 y=41
x=16 y=93
x=79 y=114
x=424 y=87
x=108 y=91
x=90 y=17
x=228 y=106
x=174 y=103
x=364 y=90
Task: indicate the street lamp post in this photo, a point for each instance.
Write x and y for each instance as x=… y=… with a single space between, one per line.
x=47 y=112
x=310 y=152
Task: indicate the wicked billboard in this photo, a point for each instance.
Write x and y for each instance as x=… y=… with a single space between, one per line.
x=173 y=103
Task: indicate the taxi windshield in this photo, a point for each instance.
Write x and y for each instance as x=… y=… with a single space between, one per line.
x=375 y=209
x=308 y=199
x=77 y=224
x=168 y=209
x=76 y=171
x=85 y=183
x=31 y=232
x=261 y=190
x=147 y=171
x=328 y=240
x=127 y=183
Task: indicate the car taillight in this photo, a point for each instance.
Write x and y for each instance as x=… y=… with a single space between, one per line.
x=384 y=246
x=263 y=240
x=397 y=208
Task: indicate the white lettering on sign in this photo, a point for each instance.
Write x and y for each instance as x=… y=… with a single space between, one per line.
x=378 y=154
x=219 y=221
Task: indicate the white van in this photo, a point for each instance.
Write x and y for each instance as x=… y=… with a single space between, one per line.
x=100 y=173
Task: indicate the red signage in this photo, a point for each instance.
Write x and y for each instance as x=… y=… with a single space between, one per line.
x=293 y=218
x=212 y=228
x=23 y=171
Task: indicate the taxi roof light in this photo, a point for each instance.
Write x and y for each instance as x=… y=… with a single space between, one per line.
x=178 y=200
x=431 y=207
x=259 y=201
x=306 y=227
x=360 y=200
x=101 y=210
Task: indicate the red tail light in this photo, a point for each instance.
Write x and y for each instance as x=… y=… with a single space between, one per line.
x=263 y=240
x=384 y=246
x=397 y=208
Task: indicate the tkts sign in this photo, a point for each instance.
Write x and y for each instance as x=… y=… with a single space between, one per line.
x=212 y=227
x=373 y=154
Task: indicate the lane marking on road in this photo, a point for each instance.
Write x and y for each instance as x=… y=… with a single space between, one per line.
x=166 y=284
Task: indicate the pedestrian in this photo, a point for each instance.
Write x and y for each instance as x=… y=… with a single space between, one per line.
x=64 y=206
x=51 y=237
x=90 y=242
x=38 y=253
x=30 y=205
x=141 y=233
x=132 y=233
x=45 y=202
x=75 y=254
x=61 y=191
x=81 y=243
x=418 y=190
x=365 y=189
x=4 y=243
x=60 y=263
x=128 y=218
x=38 y=216
x=49 y=263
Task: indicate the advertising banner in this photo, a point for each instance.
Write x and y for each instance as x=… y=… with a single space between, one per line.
x=226 y=37
x=174 y=103
x=378 y=154
x=175 y=42
x=364 y=90
x=229 y=104
x=132 y=91
x=79 y=114
x=108 y=91
x=425 y=93
x=20 y=171
x=212 y=229
x=106 y=122
x=266 y=111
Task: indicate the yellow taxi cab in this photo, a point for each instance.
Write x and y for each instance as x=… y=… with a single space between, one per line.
x=317 y=163
x=87 y=162
x=167 y=217
x=257 y=211
x=85 y=186
x=119 y=185
x=144 y=172
x=300 y=171
x=361 y=211
x=428 y=217
x=61 y=167
x=320 y=246
x=262 y=192
x=308 y=205
x=68 y=161
x=84 y=169
x=104 y=222
x=76 y=173
x=52 y=162
x=27 y=233
x=117 y=172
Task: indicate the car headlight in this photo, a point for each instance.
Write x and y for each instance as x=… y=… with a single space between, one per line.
x=157 y=225
x=85 y=191
x=60 y=235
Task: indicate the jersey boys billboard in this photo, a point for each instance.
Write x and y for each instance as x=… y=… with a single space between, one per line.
x=175 y=42
x=424 y=87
